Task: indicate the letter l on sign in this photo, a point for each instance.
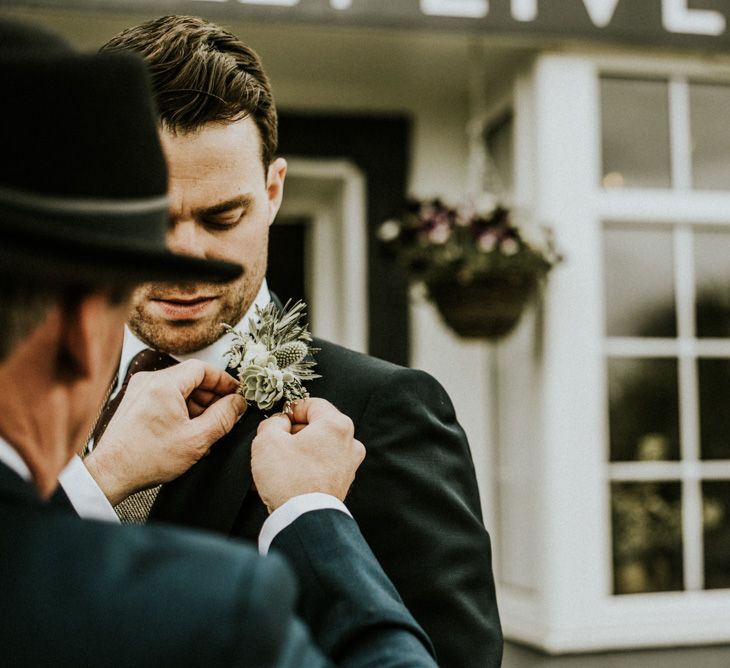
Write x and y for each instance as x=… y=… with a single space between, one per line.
x=677 y=17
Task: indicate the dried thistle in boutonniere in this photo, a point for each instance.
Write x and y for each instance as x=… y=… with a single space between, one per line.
x=275 y=358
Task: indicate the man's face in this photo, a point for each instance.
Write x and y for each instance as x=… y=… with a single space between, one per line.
x=222 y=203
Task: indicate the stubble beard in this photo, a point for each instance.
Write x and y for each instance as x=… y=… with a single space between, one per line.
x=189 y=336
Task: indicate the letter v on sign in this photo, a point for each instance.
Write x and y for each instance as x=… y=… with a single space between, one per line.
x=600 y=11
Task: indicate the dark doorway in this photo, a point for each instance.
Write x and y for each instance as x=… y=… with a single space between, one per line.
x=379 y=146
x=286 y=274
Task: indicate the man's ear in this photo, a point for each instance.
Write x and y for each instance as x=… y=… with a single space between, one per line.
x=76 y=349
x=275 y=186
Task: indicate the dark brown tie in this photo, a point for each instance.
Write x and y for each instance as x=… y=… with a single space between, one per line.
x=136 y=507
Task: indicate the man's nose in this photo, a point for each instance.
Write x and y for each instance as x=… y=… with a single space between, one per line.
x=185 y=237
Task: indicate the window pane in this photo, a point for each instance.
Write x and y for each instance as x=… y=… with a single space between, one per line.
x=710 y=136
x=639 y=282
x=647 y=537
x=635 y=126
x=714 y=381
x=498 y=138
x=644 y=409
x=712 y=271
x=716 y=514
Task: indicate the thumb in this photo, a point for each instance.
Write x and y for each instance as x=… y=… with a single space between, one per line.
x=218 y=419
x=276 y=424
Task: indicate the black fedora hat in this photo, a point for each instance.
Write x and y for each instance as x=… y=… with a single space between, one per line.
x=83 y=179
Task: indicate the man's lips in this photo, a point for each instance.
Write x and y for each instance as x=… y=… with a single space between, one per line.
x=183 y=308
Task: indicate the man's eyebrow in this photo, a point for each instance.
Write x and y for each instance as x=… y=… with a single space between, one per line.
x=240 y=202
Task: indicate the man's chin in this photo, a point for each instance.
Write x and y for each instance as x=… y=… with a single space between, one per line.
x=179 y=337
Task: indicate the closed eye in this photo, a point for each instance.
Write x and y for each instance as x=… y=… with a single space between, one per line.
x=225 y=215
x=224 y=222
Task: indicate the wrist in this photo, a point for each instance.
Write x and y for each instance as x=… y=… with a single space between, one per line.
x=104 y=475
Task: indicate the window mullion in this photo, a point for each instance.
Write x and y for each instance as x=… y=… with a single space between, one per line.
x=692 y=543
x=680 y=137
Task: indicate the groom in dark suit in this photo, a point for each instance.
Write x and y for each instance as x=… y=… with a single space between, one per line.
x=83 y=215
x=416 y=496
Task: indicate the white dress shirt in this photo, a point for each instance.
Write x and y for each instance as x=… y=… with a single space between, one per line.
x=89 y=501
x=10 y=457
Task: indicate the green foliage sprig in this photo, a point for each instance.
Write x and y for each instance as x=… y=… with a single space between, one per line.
x=275 y=358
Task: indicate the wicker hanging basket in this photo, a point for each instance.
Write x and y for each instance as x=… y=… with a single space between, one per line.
x=490 y=307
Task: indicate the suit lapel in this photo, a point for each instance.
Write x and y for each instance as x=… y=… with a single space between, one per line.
x=211 y=493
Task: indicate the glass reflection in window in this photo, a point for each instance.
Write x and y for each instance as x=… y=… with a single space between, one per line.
x=647 y=537
x=708 y=105
x=639 y=282
x=643 y=409
x=716 y=521
x=714 y=394
x=712 y=276
x=635 y=133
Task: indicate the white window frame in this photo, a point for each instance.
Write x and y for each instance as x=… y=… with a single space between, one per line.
x=558 y=164
x=690 y=470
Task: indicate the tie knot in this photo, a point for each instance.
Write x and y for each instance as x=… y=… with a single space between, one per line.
x=149 y=360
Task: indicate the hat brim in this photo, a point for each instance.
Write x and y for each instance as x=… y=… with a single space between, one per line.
x=56 y=263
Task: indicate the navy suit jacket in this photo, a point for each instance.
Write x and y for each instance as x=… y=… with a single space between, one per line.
x=80 y=593
x=415 y=498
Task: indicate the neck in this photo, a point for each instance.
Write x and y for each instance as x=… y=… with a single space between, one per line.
x=34 y=416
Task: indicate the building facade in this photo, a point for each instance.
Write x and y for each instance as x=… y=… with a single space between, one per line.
x=599 y=429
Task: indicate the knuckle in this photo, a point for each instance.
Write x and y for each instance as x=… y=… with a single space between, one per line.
x=340 y=424
x=138 y=379
x=345 y=425
x=360 y=451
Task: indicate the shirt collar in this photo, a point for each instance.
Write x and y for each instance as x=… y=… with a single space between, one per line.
x=214 y=354
x=12 y=459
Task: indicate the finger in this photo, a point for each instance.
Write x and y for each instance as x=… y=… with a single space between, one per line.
x=203 y=397
x=199 y=400
x=218 y=381
x=193 y=374
x=296 y=428
x=309 y=410
x=276 y=423
x=218 y=419
x=195 y=409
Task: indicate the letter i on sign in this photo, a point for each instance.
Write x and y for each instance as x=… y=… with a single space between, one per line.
x=600 y=11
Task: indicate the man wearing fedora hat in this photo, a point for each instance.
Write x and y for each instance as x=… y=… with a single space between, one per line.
x=83 y=215
x=415 y=497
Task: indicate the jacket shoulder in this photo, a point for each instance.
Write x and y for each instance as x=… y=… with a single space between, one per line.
x=181 y=595
x=338 y=356
x=350 y=379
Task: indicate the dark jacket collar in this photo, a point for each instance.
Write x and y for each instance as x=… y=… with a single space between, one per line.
x=14 y=489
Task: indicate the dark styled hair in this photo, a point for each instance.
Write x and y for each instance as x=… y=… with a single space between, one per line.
x=25 y=304
x=202 y=73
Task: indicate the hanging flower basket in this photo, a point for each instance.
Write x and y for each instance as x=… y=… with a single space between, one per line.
x=481 y=270
x=489 y=307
